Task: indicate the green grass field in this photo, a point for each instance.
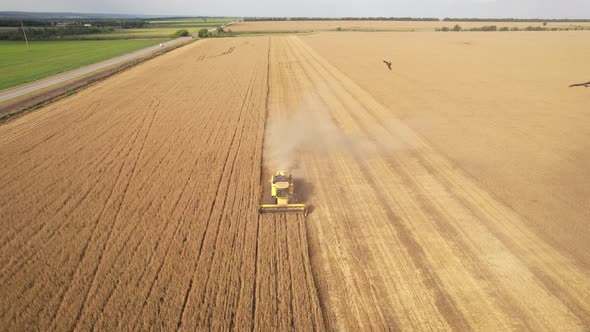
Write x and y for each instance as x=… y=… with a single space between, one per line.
x=19 y=65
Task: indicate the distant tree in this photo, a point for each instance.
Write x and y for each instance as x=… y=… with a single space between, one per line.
x=180 y=33
x=504 y=29
x=544 y=24
x=457 y=27
x=445 y=29
x=203 y=33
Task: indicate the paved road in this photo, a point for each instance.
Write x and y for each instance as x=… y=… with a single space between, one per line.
x=49 y=81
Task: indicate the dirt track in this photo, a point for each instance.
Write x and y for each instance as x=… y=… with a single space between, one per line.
x=133 y=205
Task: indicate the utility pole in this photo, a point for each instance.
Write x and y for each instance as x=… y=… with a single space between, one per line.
x=24 y=33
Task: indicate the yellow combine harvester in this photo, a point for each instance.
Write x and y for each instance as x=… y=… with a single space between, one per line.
x=282 y=191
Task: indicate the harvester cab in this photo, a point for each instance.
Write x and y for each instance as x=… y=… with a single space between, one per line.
x=282 y=193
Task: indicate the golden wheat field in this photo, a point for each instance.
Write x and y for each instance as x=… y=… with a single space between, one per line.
x=449 y=193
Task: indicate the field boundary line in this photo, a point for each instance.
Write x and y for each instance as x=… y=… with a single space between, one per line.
x=266 y=100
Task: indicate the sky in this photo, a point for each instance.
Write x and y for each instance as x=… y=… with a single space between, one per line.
x=317 y=8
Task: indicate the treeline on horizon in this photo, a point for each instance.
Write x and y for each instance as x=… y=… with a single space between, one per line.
x=246 y=19
x=52 y=29
x=432 y=19
x=46 y=33
x=123 y=23
x=557 y=20
x=457 y=27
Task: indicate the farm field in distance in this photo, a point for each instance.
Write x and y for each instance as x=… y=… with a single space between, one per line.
x=142 y=33
x=306 y=26
x=448 y=193
x=19 y=65
x=159 y=29
x=190 y=22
